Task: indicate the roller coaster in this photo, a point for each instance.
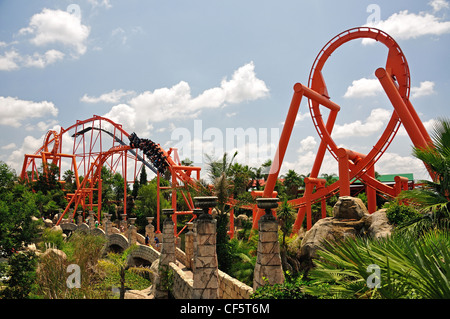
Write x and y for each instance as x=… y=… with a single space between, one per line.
x=90 y=151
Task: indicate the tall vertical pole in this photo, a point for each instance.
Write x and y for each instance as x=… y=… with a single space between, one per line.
x=282 y=146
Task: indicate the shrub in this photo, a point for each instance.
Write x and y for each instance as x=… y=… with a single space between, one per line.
x=398 y=214
x=290 y=289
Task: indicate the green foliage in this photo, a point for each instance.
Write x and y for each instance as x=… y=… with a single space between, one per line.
x=146 y=203
x=292 y=288
x=53 y=238
x=243 y=254
x=83 y=250
x=410 y=267
x=22 y=274
x=398 y=214
x=17 y=206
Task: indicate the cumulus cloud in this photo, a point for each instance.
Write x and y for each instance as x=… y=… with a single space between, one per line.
x=13 y=111
x=371 y=87
x=47 y=28
x=373 y=123
x=363 y=88
x=425 y=88
x=405 y=25
x=176 y=102
x=57 y=27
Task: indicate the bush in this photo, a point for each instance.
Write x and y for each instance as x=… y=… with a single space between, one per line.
x=398 y=214
x=290 y=289
x=54 y=238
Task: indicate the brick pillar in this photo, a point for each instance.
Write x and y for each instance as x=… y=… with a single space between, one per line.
x=268 y=260
x=167 y=256
x=189 y=245
x=206 y=276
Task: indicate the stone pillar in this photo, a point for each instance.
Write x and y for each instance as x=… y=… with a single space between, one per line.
x=167 y=256
x=91 y=220
x=123 y=223
x=205 y=273
x=79 y=218
x=150 y=231
x=189 y=245
x=108 y=224
x=132 y=231
x=268 y=260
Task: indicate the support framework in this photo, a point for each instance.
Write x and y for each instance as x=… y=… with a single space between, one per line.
x=395 y=81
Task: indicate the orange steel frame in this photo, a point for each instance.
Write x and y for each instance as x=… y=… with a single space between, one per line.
x=395 y=80
x=89 y=156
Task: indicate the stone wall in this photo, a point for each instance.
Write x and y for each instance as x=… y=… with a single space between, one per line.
x=231 y=288
x=183 y=286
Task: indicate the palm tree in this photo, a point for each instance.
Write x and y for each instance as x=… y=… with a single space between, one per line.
x=433 y=198
x=285 y=214
x=219 y=172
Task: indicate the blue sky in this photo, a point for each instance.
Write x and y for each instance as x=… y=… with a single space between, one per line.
x=179 y=72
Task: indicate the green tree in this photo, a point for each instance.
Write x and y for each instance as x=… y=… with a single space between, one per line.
x=293 y=182
x=22 y=275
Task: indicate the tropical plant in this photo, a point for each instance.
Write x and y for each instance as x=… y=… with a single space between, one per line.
x=400 y=266
x=292 y=288
x=285 y=215
x=120 y=261
x=433 y=198
x=219 y=172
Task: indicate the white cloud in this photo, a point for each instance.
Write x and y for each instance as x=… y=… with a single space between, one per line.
x=42 y=60
x=373 y=123
x=9 y=61
x=57 y=26
x=425 y=88
x=438 y=5
x=363 y=88
x=100 y=3
x=10 y=146
x=177 y=102
x=405 y=25
x=307 y=144
x=115 y=96
x=392 y=163
x=13 y=111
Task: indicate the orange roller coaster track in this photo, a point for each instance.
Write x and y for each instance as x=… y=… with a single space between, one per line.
x=86 y=149
x=87 y=146
x=395 y=80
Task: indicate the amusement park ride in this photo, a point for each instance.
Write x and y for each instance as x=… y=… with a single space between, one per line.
x=88 y=153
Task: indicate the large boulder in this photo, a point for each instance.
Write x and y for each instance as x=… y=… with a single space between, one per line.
x=327 y=229
x=350 y=219
x=378 y=224
x=348 y=207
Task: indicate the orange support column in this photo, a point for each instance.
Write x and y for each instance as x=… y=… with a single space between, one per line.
x=371 y=192
x=344 y=178
x=282 y=146
x=400 y=107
